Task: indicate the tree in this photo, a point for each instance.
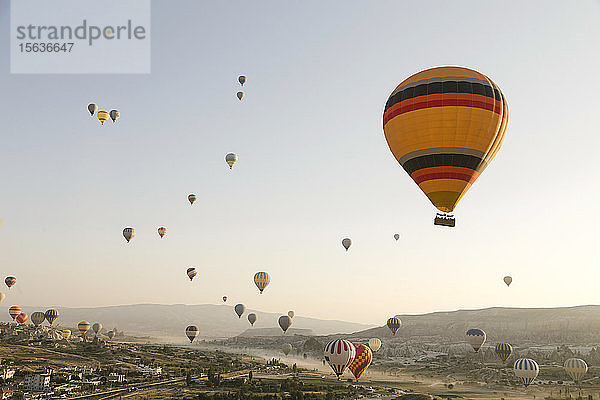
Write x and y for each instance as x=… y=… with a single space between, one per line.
x=188 y=379
x=250 y=375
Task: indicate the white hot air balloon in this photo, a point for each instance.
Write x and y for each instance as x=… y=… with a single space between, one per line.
x=339 y=353
x=476 y=338
x=526 y=370
x=576 y=368
x=375 y=344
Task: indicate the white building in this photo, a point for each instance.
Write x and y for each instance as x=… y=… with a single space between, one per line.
x=37 y=382
x=6 y=373
x=147 y=370
x=114 y=377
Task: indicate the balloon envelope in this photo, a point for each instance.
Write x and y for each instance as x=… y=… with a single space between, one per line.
x=191 y=332
x=476 y=338
x=242 y=79
x=191 y=272
x=287 y=348
x=51 y=315
x=361 y=360
x=224 y=299
x=284 y=322
x=394 y=324
x=97 y=327
x=252 y=318
x=239 y=309
x=38 y=318
x=339 y=353
x=240 y=95
x=507 y=280
x=65 y=333
x=83 y=327
x=375 y=344
x=192 y=198
x=2 y=296
x=526 y=370
x=128 y=234
x=110 y=334
x=291 y=314
x=114 y=115
x=444 y=126
x=92 y=108
x=10 y=281
x=13 y=311
x=576 y=368
x=231 y=159
x=503 y=351
x=22 y=318
x=346 y=242
x=261 y=280
x=102 y=116
x=162 y=231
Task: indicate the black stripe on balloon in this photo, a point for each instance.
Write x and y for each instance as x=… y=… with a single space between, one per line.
x=441 y=160
x=444 y=87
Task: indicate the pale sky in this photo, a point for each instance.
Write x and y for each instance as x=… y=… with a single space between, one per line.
x=313 y=166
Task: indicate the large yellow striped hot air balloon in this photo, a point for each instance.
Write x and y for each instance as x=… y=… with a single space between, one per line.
x=261 y=280
x=51 y=315
x=444 y=126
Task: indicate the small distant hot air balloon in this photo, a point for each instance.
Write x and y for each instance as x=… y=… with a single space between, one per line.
x=102 y=116
x=252 y=318
x=192 y=198
x=286 y=348
x=51 y=315
x=507 y=280
x=97 y=327
x=291 y=314
x=92 y=108
x=231 y=159
x=526 y=370
x=110 y=334
x=285 y=322
x=361 y=360
x=394 y=324
x=14 y=311
x=240 y=95
x=242 y=79
x=396 y=236
x=65 y=333
x=346 y=242
x=239 y=309
x=191 y=272
x=2 y=296
x=191 y=332
x=128 y=234
x=576 y=368
x=22 y=318
x=339 y=353
x=162 y=231
x=476 y=338
x=261 y=280
x=10 y=281
x=375 y=344
x=83 y=327
x=224 y=299
x=38 y=318
x=503 y=351
x=114 y=115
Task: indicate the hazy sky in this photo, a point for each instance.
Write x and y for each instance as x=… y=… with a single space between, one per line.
x=313 y=166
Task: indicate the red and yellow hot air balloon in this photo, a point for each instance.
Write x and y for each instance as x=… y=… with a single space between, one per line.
x=444 y=125
x=22 y=318
x=83 y=327
x=361 y=361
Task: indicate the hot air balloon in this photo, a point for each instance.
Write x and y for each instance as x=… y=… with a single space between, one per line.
x=128 y=234
x=97 y=327
x=192 y=198
x=240 y=95
x=114 y=115
x=339 y=353
x=51 y=315
x=444 y=126
x=231 y=159
x=191 y=332
x=394 y=324
x=10 y=281
x=239 y=309
x=191 y=272
x=526 y=370
x=396 y=236
x=507 y=280
x=242 y=79
x=374 y=344
x=361 y=360
x=102 y=116
x=285 y=322
x=22 y=318
x=476 y=338
x=252 y=318
x=287 y=348
x=346 y=242
x=576 y=368
x=110 y=334
x=162 y=231
x=92 y=108
x=503 y=350
x=65 y=333
x=261 y=280
x=224 y=299
x=14 y=311
x=291 y=314
x=38 y=318
x=2 y=296
x=83 y=327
